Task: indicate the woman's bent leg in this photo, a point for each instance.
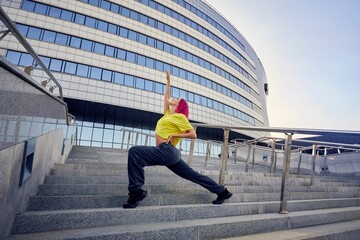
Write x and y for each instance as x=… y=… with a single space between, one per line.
x=141 y=156
x=183 y=170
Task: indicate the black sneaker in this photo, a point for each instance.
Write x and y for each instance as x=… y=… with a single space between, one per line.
x=222 y=197
x=135 y=198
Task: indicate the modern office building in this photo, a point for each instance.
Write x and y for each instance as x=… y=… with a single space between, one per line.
x=110 y=57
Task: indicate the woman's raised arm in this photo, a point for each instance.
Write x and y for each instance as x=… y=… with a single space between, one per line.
x=167 y=92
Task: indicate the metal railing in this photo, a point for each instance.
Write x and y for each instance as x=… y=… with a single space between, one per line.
x=15 y=32
x=288 y=133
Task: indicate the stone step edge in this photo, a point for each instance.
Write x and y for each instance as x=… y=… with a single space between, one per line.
x=212 y=227
x=350 y=229
x=73 y=218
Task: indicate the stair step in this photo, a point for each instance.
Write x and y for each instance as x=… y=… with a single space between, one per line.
x=37 y=221
x=41 y=203
x=219 y=227
x=110 y=189
x=349 y=230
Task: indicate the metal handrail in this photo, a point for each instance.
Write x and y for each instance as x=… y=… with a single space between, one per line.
x=288 y=132
x=11 y=26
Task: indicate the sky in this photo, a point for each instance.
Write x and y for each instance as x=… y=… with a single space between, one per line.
x=310 y=50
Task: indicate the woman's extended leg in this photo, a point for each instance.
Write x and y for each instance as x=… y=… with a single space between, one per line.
x=185 y=171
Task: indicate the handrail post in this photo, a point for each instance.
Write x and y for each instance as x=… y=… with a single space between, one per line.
x=313 y=158
x=274 y=168
x=192 y=146
x=300 y=157
x=128 y=142
x=224 y=156
x=123 y=138
x=146 y=140
x=207 y=152
x=325 y=167
x=136 y=138
x=248 y=158
x=253 y=156
x=285 y=177
x=235 y=154
x=272 y=163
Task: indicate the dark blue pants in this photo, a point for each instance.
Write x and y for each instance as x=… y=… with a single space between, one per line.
x=164 y=155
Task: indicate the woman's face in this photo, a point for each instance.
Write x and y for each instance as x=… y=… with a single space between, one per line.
x=174 y=101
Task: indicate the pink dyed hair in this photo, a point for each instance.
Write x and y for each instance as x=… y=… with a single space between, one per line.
x=183 y=108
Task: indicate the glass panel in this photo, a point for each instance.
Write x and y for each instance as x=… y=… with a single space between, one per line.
x=97 y=134
x=66 y=15
x=121 y=54
x=86 y=133
x=99 y=48
x=105 y=5
x=149 y=85
x=70 y=67
x=40 y=8
x=55 y=12
x=149 y=63
x=124 y=32
x=49 y=36
x=108 y=135
x=102 y=25
x=159 y=66
x=90 y=22
x=129 y=81
x=141 y=60
x=125 y=12
x=26 y=60
x=55 y=65
x=140 y=83
x=132 y=35
x=114 y=8
x=13 y=57
x=34 y=33
x=86 y=45
x=151 y=42
x=175 y=92
x=109 y=51
x=79 y=18
x=112 y=28
x=28 y=6
x=23 y=29
x=134 y=15
x=95 y=73
x=106 y=75
x=159 y=88
x=61 y=39
x=94 y=2
x=82 y=70
x=142 y=39
x=46 y=61
x=131 y=57
x=75 y=42
x=119 y=78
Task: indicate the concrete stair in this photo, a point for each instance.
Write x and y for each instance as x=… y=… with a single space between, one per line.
x=82 y=199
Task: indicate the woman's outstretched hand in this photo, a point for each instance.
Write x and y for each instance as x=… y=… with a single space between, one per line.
x=167 y=75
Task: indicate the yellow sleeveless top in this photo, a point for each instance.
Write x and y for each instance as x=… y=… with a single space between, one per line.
x=170 y=124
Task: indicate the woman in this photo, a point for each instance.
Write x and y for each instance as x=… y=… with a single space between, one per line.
x=173 y=126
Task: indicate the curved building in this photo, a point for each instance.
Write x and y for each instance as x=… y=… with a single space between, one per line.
x=110 y=57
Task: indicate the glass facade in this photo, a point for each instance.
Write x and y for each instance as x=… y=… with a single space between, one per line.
x=110 y=59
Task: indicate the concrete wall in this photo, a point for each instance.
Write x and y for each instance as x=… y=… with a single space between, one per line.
x=14 y=199
x=27 y=111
